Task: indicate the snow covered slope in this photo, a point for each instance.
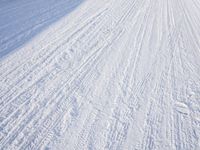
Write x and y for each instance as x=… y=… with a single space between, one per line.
x=100 y=74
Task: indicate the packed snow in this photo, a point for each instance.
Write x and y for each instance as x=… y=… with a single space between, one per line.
x=100 y=74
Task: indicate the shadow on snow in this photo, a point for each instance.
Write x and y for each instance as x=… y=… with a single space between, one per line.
x=21 y=20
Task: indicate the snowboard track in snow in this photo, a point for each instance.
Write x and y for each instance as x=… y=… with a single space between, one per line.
x=107 y=75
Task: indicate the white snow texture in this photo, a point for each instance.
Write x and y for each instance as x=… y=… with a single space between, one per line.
x=100 y=74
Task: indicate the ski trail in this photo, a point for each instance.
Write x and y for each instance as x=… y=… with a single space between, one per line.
x=95 y=75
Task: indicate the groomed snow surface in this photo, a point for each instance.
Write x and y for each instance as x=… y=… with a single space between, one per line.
x=100 y=74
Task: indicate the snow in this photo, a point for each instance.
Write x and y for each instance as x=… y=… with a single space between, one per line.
x=100 y=74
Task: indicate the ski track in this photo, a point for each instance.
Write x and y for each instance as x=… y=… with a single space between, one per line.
x=100 y=75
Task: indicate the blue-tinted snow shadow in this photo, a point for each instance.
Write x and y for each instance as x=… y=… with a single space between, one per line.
x=21 y=20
